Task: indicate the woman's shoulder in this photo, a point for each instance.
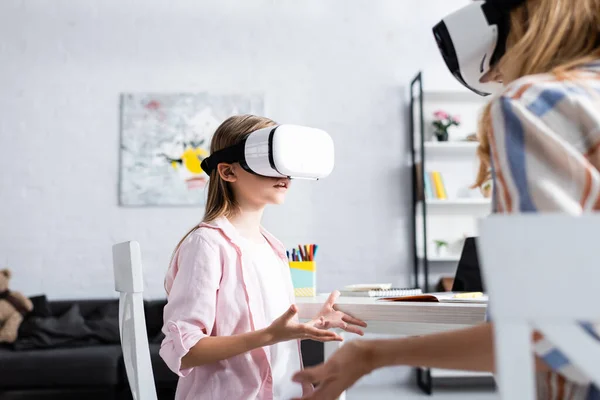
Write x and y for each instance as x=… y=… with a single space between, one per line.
x=528 y=88
x=551 y=88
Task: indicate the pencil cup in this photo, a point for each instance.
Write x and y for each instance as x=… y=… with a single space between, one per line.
x=304 y=278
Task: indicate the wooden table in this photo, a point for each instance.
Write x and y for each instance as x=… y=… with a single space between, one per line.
x=397 y=318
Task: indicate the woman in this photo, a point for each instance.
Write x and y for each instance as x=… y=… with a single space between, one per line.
x=540 y=139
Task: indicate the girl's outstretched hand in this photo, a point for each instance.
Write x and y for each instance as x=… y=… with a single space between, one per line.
x=329 y=317
x=287 y=327
x=346 y=366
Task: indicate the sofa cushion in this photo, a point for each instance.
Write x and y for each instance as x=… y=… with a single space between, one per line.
x=41 y=307
x=163 y=376
x=87 y=307
x=72 y=367
x=153 y=310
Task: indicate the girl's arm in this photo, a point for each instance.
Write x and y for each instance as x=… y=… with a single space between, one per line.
x=216 y=348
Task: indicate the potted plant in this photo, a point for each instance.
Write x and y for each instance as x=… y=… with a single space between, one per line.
x=486 y=189
x=441 y=122
x=441 y=247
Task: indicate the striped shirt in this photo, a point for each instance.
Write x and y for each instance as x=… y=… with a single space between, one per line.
x=545 y=155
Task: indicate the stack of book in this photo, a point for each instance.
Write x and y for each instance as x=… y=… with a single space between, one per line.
x=434 y=186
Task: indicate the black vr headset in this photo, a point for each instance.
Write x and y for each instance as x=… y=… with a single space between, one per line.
x=473 y=39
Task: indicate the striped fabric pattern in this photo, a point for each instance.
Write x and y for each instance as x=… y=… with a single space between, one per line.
x=545 y=152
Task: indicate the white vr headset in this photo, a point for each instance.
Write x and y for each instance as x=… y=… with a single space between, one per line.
x=473 y=39
x=282 y=151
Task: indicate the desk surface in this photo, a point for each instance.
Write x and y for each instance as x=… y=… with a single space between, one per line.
x=397 y=318
x=407 y=318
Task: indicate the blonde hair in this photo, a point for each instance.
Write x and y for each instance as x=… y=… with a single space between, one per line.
x=220 y=200
x=546 y=36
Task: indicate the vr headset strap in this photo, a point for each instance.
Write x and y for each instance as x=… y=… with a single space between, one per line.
x=497 y=13
x=230 y=154
x=499 y=17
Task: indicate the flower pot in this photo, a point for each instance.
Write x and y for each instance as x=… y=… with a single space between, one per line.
x=441 y=251
x=442 y=136
x=486 y=189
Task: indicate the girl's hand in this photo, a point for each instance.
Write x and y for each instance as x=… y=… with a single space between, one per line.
x=287 y=328
x=347 y=365
x=329 y=317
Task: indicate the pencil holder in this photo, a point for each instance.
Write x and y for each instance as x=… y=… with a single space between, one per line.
x=304 y=278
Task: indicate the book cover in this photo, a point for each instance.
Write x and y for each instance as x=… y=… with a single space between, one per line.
x=429 y=194
x=439 y=185
x=444 y=297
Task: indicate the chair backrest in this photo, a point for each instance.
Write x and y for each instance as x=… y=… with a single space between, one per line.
x=127 y=264
x=542 y=273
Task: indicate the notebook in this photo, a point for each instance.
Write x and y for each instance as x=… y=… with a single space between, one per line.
x=443 y=297
x=380 y=290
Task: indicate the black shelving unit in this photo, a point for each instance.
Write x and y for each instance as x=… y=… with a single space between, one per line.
x=418 y=195
x=421 y=261
x=418 y=184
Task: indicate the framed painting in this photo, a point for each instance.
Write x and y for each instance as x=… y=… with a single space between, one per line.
x=165 y=137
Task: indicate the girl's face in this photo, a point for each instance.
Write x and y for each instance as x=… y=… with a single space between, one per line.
x=254 y=190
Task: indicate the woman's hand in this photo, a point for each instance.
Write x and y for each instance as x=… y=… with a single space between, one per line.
x=329 y=317
x=286 y=328
x=347 y=365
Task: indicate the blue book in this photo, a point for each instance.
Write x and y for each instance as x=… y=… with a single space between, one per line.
x=428 y=187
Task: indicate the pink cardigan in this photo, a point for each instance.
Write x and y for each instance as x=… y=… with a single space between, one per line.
x=211 y=293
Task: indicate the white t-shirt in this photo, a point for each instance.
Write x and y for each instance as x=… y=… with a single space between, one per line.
x=285 y=356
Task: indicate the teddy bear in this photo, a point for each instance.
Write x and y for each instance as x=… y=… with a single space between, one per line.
x=13 y=308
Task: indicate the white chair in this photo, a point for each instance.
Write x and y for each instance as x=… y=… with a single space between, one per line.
x=127 y=264
x=542 y=272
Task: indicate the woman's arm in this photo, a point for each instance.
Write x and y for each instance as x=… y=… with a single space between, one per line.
x=466 y=349
x=469 y=349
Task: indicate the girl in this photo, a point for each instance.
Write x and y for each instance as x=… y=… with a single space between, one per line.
x=541 y=138
x=230 y=325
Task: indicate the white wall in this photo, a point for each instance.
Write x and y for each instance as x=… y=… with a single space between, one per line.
x=340 y=65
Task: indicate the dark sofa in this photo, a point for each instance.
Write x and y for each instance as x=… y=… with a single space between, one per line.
x=92 y=372
x=82 y=372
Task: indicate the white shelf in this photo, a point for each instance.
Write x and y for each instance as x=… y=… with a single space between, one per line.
x=449 y=258
x=451 y=148
x=452 y=96
x=459 y=202
x=448 y=373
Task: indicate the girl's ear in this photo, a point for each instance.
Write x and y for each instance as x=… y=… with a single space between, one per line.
x=227 y=172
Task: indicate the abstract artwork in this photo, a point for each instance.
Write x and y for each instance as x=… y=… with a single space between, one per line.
x=165 y=137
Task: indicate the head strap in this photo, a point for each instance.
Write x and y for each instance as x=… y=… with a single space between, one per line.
x=228 y=155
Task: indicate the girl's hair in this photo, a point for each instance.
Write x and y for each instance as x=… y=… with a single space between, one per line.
x=220 y=200
x=546 y=36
